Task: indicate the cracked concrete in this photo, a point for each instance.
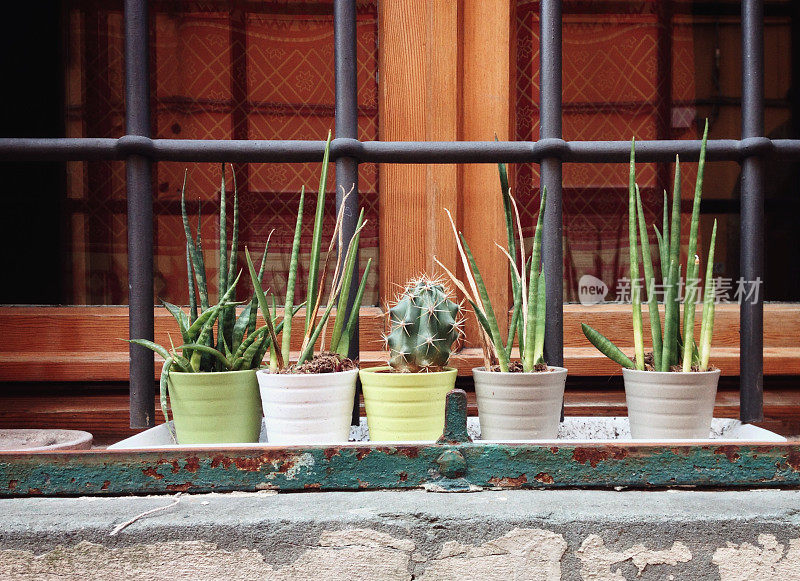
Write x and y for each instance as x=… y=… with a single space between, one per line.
x=548 y=535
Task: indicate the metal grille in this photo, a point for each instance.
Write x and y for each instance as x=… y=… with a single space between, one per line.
x=139 y=151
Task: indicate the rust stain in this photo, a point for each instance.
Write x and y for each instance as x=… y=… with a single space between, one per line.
x=252 y=464
x=312 y=486
x=220 y=460
x=152 y=473
x=330 y=453
x=179 y=487
x=362 y=483
x=554 y=449
x=596 y=455
x=730 y=452
x=106 y=484
x=509 y=482
x=362 y=453
x=12 y=484
x=793 y=459
x=543 y=477
x=403 y=476
x=409 y=451
x=34 y=491
x=192 y=464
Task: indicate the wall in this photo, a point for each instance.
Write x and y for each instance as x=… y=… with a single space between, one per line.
x=595 y=535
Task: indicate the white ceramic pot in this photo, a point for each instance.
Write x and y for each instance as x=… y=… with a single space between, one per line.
x=307 y=408
x=667 y=404
x=519 y=406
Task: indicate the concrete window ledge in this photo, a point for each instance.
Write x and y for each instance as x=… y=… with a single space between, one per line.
x=727 y=535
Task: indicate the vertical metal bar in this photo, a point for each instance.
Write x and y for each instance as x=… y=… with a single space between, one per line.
x=140 y=215
x=550 y=127
x=344 y=29
x=751 y=340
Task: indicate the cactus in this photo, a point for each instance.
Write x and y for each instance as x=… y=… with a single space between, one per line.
x=425 y=324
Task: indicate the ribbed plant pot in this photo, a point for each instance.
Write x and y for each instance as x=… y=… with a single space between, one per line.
x=405 y=406
x=519 y=406
x=307 y=408
x=215 y=408
x=666 y=404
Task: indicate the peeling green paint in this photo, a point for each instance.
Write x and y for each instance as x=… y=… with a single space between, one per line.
x=453 y=463
x=353 y=467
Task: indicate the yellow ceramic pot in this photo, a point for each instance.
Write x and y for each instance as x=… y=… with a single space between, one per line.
x=405 y=406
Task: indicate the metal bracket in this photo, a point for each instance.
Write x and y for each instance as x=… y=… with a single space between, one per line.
x=455 y=419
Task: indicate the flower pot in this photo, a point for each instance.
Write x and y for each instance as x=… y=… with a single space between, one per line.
x=405 y=406
x=519 y=406
x=667 y=404
x=305 y=408
x=215 y=408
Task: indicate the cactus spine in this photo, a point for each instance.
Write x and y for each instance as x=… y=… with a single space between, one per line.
x=424 y=325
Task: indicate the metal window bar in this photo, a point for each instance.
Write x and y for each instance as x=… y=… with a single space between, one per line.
x=551 y=151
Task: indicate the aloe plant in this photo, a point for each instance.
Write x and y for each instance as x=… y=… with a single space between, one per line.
x=670 y=348
x=528 y=289
x=314 y=329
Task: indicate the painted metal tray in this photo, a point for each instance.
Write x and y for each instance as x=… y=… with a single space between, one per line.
x=589 y=453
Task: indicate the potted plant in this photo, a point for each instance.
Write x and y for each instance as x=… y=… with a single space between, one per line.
x=210 y=378
x=311 y=400
x=406 y=399
x=518 y=400
x=671 y=392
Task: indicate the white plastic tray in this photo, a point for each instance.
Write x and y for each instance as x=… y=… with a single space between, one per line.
x=573 y=430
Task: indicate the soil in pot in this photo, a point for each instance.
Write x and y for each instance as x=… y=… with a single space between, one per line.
x=325 y=362
x=516 y=367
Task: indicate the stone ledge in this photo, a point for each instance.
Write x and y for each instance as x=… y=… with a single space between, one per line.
x=726 y=535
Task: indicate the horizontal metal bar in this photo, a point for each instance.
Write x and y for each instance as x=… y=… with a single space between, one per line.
x=254 y=151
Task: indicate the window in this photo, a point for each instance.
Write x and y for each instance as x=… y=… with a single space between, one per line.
x=99 y=154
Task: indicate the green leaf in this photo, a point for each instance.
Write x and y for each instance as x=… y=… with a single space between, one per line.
x=347 y=278
x=262 y=302
x=344 y=343
x=292 y=277
x=606 y=347
x=316 y=238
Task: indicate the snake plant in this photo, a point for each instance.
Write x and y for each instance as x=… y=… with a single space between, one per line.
x=671 y=350
x=345 y=269
x=528 y=288
x=213 y=336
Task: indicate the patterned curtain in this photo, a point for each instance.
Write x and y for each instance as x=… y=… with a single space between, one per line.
x=628 y=70
x=219 y=70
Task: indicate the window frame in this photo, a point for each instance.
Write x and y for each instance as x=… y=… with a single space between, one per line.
x=139 y=151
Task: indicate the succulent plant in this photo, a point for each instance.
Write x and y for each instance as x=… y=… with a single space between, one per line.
x=672 y=348
x=424 y=325
x=345 y=256
x=528 y=288
x=238 y=345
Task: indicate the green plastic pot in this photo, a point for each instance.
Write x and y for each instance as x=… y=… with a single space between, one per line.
x=405 y=406
x=215 y=408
